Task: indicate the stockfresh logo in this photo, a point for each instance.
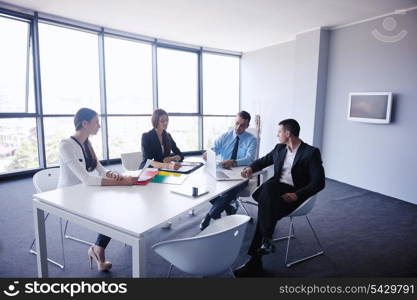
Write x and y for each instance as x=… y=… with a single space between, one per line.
x=72 y=289
x=390 y=26
x=11 y=290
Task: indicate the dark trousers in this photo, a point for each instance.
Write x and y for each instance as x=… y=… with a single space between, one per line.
x=271 y=208
x=223 y=201
x=102 y=240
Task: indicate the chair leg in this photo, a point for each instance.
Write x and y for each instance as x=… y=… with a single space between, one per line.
x=70 y=237
x=167 y=225
x=321 y=252
x=243 y=206
x=62 y=240
x=288 y=240
x=59 y=265
x=291 y=235
x=169 y=271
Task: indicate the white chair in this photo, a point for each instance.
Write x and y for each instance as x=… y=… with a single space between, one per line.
x=301 y=211
x=47 y=180
x=131 y=161
x=210 y=252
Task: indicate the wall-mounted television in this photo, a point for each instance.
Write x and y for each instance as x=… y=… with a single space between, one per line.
x=370 y=107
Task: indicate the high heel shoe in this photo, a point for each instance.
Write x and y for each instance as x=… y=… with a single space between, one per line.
x=101 y=266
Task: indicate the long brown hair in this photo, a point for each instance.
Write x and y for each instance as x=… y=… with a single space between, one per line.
x=166 y=138
x=157 y=114
x=86 y=114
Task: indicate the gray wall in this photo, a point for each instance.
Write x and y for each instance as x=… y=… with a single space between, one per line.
x=310 y=84
x=267 y=88
x=381 y=158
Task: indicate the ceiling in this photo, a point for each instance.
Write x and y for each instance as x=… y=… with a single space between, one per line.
x=237 y=25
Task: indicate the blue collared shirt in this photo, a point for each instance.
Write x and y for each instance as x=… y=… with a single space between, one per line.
x=246 y=151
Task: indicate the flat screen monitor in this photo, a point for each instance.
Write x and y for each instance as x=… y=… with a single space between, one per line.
x=370 y=107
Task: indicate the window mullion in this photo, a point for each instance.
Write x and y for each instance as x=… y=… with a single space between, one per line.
x=38 y=93
x=103 y=96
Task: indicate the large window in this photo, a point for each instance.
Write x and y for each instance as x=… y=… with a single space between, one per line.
x=18 y=144
x=184 y=131
x=220 y=84
x=128 y=76
x=214 y=127
x=220 y=94
x=18 y=137
x=69 y=69
x=46 y=75
x=16 y=87
x=177 y=81
x=125 y=134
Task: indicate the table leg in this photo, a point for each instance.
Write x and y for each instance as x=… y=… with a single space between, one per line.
x=40 y=235
x=138 y=258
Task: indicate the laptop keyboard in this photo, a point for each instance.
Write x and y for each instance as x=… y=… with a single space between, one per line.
x=220 y=174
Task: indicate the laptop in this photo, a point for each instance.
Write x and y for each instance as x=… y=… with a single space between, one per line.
x=220 y=174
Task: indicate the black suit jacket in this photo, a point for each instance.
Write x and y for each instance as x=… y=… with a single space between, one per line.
x=151 y=147
x=307 y=169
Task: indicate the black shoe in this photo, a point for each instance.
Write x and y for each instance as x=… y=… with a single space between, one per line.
x=205 y=222
x=217 y=216
x=267 y=247
x=231 y=210
x=253 y=268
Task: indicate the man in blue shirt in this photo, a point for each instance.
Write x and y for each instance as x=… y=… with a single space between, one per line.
x=236 y=148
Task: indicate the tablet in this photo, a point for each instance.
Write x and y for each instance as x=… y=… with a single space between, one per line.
x=187 y=167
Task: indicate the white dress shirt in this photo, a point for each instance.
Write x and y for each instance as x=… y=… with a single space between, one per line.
x=286 y=176
x=72 y=166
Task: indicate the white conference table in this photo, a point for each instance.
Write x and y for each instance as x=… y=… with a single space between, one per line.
x=124 y=213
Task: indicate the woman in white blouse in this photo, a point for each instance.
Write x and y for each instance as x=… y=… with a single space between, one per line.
x=79 y=164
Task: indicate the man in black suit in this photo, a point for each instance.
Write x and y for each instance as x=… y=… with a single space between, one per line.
x=298 y=175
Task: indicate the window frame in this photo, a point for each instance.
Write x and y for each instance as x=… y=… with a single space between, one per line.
x=34 y=18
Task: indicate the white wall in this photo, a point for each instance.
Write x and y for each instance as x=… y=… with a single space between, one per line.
x=267 y=88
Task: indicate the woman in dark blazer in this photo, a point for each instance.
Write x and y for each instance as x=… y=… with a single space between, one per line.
x=157 y=144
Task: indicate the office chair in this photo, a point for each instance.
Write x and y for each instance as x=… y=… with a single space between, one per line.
x=302 y=211
x=43 y=181
x=210 y=252
x=131 y=160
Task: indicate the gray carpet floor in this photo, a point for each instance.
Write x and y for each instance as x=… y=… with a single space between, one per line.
x=364 y=234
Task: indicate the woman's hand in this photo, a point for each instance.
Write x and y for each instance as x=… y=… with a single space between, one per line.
x=128 y=180
x=169 y=159
x=172 y=166
x=175 y=158
x=114 y=175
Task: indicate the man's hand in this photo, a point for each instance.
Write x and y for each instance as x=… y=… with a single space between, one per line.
x=289 y=197
x=227 y=164
x=247 y=172
x=205 y=156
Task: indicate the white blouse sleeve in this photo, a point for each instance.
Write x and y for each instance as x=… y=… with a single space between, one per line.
x=101 y=170
x=69 y=158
